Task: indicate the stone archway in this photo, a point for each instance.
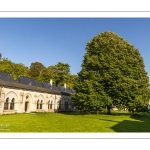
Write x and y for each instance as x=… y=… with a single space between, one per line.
x=50 y=104
x=10 y=104
x=27 y=103
x=40 y=103
x=26 y=107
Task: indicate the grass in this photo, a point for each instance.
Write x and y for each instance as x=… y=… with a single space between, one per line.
x=75 y=122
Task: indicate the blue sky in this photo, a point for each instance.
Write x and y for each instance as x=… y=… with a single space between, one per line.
x=53 y=40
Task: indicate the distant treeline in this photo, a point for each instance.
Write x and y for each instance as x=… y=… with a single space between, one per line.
x=59 y=73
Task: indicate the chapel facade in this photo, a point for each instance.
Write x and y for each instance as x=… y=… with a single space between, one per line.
x=26 y=95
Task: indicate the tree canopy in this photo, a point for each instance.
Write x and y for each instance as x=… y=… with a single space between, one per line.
x=35 y=70
x=59 y=73
x=14 y=69
x=45 y=75
x=113 y=73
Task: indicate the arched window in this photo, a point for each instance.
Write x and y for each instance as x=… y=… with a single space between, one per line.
x=12 y=104
x=66 y=105
x=38 y=103
x=41 y=104
x=71 y=105
x=6 y=104
x=51 y=105
x=59 y=105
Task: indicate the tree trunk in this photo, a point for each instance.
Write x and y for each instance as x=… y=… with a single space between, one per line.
x=97 y=112
x=132 y=111
x=108 y=110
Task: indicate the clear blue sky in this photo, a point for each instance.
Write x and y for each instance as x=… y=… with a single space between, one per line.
x=53 y=40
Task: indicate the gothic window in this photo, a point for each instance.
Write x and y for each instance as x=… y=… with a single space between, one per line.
x=12 y=104
x=71 y=105
x=41 y=104
x=48 y=104
x=6 y=104
x=59 y=105
x=51 y=105
x=66 y=105
x=38 y=103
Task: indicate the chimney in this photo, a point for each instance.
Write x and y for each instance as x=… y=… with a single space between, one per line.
x=29 y=82
x=51 y=82
x=65 y=87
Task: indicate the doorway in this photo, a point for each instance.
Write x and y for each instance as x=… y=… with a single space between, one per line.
x=26 y=106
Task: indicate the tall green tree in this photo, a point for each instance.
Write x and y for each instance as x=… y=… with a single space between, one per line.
x=35 y=69
x=61 y=71
x=113 y=73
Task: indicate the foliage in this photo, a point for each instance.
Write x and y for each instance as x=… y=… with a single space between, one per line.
x=61 y=71
x=0 y=56
x=7 y=66
x=46 y=75
x=71 y=78
x=112 y=73
x=14 y=69
x=20 y=70
x=35 y=69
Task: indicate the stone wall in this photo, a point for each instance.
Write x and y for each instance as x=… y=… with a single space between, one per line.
x=14 y=100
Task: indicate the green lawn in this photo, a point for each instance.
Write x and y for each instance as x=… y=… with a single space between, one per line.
x=75 y=122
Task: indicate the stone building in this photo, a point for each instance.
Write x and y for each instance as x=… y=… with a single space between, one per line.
x=27 y=95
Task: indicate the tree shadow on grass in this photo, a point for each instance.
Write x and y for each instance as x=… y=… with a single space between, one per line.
x=138 y=123
x=72 y=113
x=80 y=113
x=131 y=123
x=86 y=113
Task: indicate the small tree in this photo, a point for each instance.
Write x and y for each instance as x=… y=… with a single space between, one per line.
x=112 y=74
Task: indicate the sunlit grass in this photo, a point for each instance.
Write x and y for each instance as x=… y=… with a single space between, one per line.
x=75 y=122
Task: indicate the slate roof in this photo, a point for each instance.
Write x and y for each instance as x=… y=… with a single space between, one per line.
x=28 y=81
x=61 y=89
x=54 y=87
x=26 y=87
x=6 y=77
x=73 y=91
x=30 y=84
x=66 y=91
x=48 y=86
